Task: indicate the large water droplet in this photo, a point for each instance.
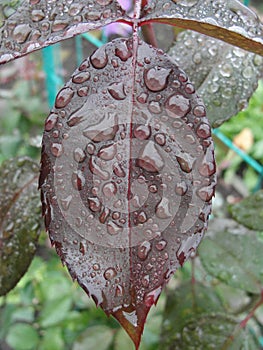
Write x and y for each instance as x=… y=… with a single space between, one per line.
x=122 y=51
x=51 y=121
x=108 y=152
x=81 y=77
x=109 y=189
x=21 y=33
x=117 y=91
x=56 y=149
x=142 y=132
x=150 y=159
x=97 y=170
x=94 y=204
x=64 y=97
x=113 y=228
x=156 y=78
x=203 y=130
x=177 y=106
x=99 y=58
x=186 y=163
x=105 y=130
x=118 y=170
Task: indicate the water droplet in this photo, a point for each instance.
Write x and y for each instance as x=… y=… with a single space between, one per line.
x=109 y=189
x=153 y=188
x=97 y=170
x=57 y=149
x=206 y=193
x=83 y=91
x=160 y=139
x=99 y=58
x=150 y=159
x=113 y=228
x=143 y=250
x=94 y=204
x=78 y=180
x=142 y=98
x=181 y=188
x=156 y=78
x=117 y=91
x=79 y=155
x=146 y=281
x=119 y=291
x=81 y=77
x=104 y=215
x=177 y=106
x=51 y=121
x=186 y=164
x=160 y=245
x=199 y=111
x=108 y=152
x=64 y=97
x=142 y=217
x=122 y=51
x=96 y=267
x=203 y=130
x=154 y=107
x=21 y=33
x=152 y=297
x=110 y=273
x=66 y=202
x=189 y=88
x=105 y=130
x=162 y=209
x=142 y=132
x=90 y=148
x=118 y=170
x=37 y=15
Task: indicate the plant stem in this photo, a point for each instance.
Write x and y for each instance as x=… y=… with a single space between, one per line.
x=149 y=35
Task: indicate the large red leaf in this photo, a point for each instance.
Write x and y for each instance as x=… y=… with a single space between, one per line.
x=34 y=24
x=127 y=176
x=227 y=20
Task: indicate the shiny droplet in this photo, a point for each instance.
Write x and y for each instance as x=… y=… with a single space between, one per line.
x=150 y=159
x=108 y=152
x=160 y=139
x=21 y=33
x=99 y=58
x=181 y=188
x=203 y=131
x=177 y=106
x=110 y=273
x=113 y=229
x=51 y=121
x=156 y=78
x=64 y=97
x=56 y=149
x=143 y=250
x=94 y=204
x=109 y=189
x=78 y=180
x=160 y=245
x=142 y=132
x=79 y=155
x=81 y=77
x=117 y=91
x=162 y=209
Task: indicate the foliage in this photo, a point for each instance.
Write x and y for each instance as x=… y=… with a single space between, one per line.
x=130 y=101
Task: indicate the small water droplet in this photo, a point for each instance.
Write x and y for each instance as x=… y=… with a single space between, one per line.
x=160 y=139
x=186 y=164
x=142 y=217
x=94 y=204
x=108 y=152
x=203 y=130
x=143 y=250
x=66 y=202
x=119 y=291
x=118 y=170
x=162 y=209
x=56 y=149
x=51 y=121
x=160 y=245
x=199 y=111
x=21 y=33
x=113 y=228
x=79 y=155
x=181 y=188
x=152 y=297
x=122 y=51
x=109 y=189
x=110 y=273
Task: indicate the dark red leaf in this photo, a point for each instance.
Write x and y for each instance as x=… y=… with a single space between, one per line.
x=35 y=24
x=127 y=176
x=230 y=21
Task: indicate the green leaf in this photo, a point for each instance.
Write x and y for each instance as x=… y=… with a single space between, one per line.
x=22 y=337
x=20 y=219
x=209 y=332
x=94 y=338
x=52 y=340
x=225 y=76
x=249 y=212
x=123 y=341
x=229 y=21
x=55 y=311
x=234 y=258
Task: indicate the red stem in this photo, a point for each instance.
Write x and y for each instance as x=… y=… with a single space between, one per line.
x=149 y=35
x=244 y=322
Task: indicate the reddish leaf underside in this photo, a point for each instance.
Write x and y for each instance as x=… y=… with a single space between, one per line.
x=230 y=21
x=127 y=177
x=35 y=24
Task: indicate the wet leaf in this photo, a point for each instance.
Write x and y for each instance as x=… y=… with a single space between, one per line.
x=211 y=331
x=127 y=176
x=20 y=219
x=35 y=24
x=230 y=21
x=225 y=76
x=223 y=255
x=249 y=212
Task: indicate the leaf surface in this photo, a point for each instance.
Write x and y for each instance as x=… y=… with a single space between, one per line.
x=230 y=21
x=34 y=24
x=127 y=176
x=249 y=212
x=223 y=255
x=225 y=76
x=195 y=319
x=20 y=219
